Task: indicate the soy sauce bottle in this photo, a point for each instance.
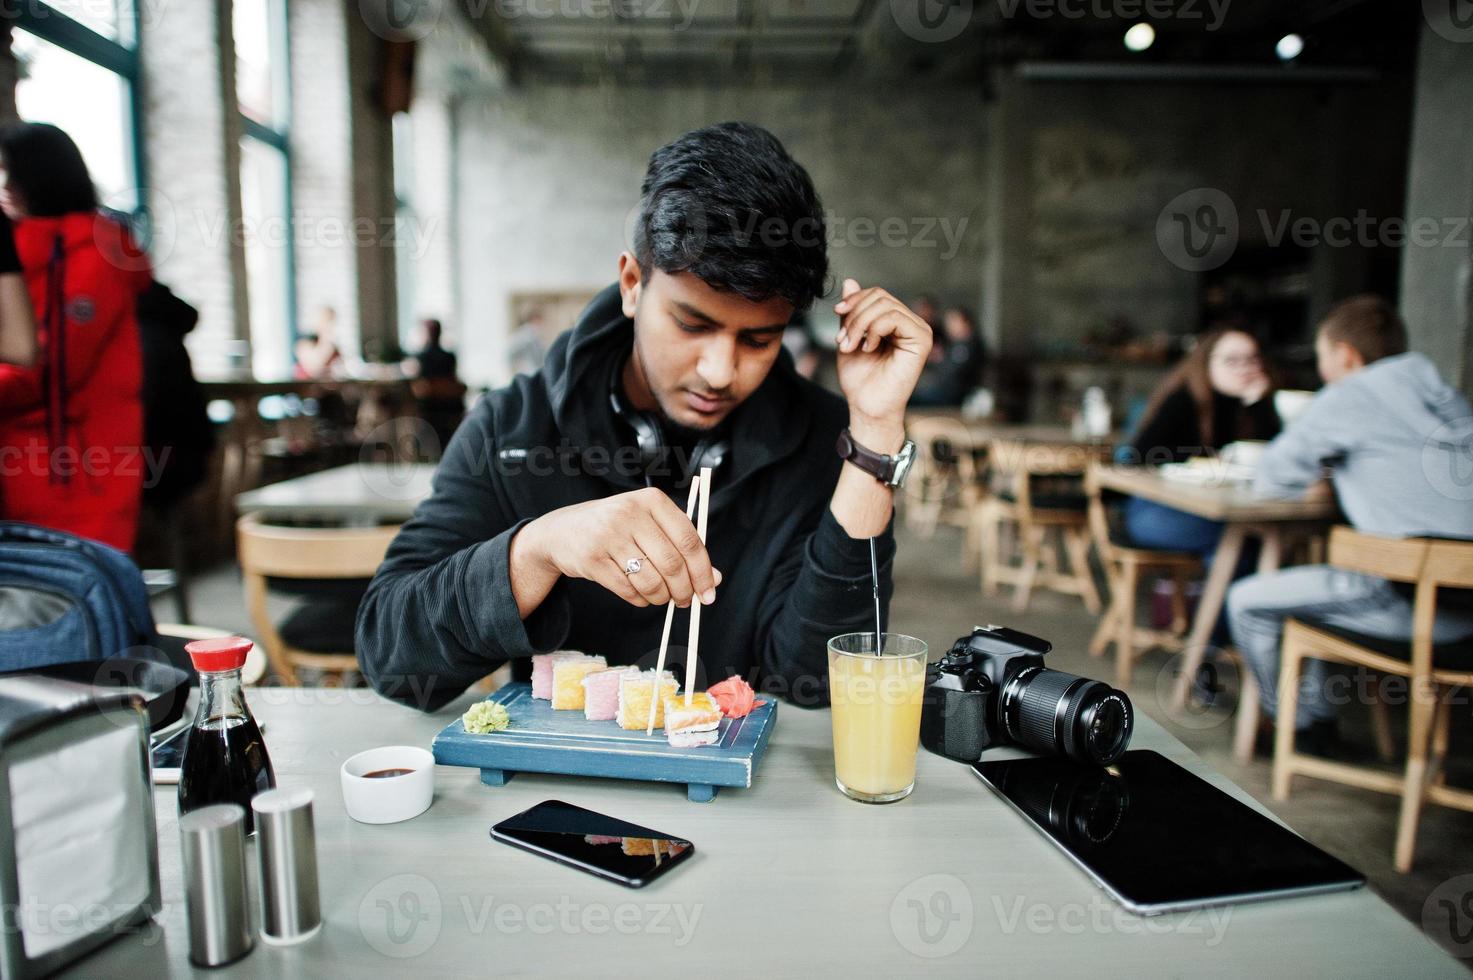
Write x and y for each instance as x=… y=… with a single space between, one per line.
x=225 y=759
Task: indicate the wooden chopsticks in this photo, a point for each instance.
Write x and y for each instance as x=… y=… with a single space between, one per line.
x=699 y=493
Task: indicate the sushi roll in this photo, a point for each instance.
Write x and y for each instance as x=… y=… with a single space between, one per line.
x=567 y=680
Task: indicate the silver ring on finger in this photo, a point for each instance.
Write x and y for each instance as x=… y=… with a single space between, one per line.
x=633 y=566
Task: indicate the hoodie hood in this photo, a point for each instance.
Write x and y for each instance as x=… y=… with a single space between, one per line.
x=766 y=428
x=1410 y=384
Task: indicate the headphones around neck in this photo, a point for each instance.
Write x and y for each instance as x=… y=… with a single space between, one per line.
x=649 y=435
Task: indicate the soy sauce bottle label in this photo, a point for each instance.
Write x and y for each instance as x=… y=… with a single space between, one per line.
x=225 y=758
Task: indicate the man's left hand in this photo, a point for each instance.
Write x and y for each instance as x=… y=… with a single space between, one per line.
x=882 y=348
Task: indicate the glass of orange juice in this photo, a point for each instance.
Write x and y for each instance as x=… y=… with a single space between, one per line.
x=877 y=713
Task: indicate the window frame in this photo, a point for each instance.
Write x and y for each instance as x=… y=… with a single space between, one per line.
x=117 y=56
x=278 y=137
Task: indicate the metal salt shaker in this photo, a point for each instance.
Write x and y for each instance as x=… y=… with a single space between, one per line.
x=286 y=846
x=215 y=891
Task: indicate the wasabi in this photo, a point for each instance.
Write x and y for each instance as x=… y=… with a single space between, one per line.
x=485 y=717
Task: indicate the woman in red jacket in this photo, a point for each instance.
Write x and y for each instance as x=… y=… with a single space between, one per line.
x=71 y=427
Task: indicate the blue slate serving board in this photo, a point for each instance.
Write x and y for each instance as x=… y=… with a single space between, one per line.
x=542 y=740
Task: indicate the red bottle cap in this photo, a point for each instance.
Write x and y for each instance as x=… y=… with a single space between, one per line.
x=218 y=653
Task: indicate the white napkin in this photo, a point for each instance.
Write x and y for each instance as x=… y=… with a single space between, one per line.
x=80 y=838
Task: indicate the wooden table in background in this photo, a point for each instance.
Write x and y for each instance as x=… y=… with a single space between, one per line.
x=358 y=494
x=1243 y=513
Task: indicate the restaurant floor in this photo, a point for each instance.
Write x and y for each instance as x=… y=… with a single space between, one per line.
x=937 y=601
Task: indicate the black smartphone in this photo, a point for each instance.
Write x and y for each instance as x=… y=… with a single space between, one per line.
x=595 y=843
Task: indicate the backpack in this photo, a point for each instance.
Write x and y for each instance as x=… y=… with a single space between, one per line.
x=65 y=598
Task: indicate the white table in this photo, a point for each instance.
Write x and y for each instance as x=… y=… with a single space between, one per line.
x=790 y=879
x=360 y=493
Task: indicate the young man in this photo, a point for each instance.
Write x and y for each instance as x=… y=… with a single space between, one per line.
x=557 y=517
x=1384 y=424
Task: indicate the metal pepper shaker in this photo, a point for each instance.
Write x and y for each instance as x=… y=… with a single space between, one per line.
x=286 y=846
x=216 y=898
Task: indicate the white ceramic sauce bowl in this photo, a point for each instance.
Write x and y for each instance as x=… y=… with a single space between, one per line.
x=388 y=799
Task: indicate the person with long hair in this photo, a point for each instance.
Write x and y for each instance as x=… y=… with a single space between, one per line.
x=1220 y=393
x=71 y=426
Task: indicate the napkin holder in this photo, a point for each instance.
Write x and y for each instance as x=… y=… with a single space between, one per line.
x=78 y=845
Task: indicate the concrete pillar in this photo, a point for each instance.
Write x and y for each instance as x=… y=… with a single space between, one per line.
x=1437 y=279
x=372 y=182
x=322 y=166
x=193 y=143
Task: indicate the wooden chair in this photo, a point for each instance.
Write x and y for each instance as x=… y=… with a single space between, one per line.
x=1124 y=568
x=1037 y=516
x=303 y=553
x=944 y=486
x=1433 y=671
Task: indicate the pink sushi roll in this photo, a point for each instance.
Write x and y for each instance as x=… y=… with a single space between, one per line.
x=601 y=693
x=542 y=671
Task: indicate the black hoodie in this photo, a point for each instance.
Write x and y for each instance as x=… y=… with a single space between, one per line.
x=440 y=613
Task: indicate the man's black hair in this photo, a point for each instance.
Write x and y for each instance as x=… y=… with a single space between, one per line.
x=728 y=204
x=46 y=167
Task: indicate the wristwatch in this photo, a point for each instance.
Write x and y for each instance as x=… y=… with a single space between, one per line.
x=889 y=470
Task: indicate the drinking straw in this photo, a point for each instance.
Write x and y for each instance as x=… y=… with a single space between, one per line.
x=874 y=574
x=690 y=511
x=695 y=607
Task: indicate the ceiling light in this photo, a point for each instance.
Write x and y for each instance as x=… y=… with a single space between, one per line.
x=1290 y=46
x=1140 y=37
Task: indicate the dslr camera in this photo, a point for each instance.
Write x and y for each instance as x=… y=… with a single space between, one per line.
x=992 y=688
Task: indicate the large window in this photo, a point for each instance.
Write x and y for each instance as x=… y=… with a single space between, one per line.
x=264 y=98
x=77 y=70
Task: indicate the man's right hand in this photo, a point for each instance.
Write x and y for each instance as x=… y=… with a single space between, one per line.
x=593 y=540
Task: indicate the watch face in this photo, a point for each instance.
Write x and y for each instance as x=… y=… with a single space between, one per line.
x=903 y=461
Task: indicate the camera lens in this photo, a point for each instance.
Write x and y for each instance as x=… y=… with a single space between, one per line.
x=1051 y=711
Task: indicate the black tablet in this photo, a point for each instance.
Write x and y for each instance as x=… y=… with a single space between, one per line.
x=1159 y=839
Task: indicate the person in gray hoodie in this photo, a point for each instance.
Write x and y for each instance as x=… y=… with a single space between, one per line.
x=1396 y=442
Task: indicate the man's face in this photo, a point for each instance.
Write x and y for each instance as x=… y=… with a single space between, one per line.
x=698 y=351
x=1335 y=358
